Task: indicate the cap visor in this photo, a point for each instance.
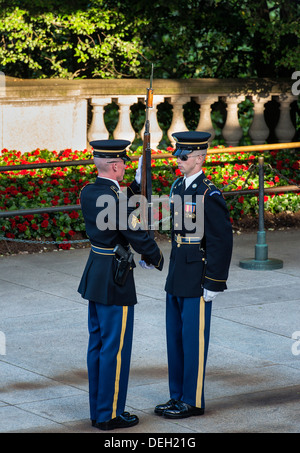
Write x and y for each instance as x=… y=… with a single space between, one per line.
x=182 y=152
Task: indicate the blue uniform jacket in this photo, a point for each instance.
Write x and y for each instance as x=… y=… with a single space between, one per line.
x=194 y=266
x=97 y=282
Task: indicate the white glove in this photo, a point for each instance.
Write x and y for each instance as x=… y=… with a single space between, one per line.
x=144 y=265
x=209 y=295
x=138 y=173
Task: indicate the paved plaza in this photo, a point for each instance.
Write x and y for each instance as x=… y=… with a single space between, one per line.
x=253 y=370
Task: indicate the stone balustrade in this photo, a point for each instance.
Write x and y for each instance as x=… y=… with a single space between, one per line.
x=58 y=114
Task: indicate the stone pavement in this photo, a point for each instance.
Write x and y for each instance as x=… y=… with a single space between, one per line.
x=253 y=369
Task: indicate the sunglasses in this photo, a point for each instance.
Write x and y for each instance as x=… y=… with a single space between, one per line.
x=185 y=157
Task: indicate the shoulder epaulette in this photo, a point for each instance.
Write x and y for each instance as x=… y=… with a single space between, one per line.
x=129 y=188
x=114 y=189
x=210 y=186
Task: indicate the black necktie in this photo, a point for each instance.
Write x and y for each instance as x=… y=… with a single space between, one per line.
x=182 y=188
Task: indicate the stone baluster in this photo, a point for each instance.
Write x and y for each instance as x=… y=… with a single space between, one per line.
x=205 y=123
x=232 y=131
x=178 y=124
x=156 y=134
x=97 y=130
x=124 y=129
x=259 y=130
x=285 y=130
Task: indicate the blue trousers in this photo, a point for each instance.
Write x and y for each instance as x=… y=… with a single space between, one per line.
x=188 y=330
x=108 y=359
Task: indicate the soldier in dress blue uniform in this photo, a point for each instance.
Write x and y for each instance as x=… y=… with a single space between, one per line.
x=198 y=270
x=111 y=304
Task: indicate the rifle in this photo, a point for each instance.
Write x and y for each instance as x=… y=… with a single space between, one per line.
x=146 y=182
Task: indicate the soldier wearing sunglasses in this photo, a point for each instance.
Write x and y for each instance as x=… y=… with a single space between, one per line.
x=198 y=270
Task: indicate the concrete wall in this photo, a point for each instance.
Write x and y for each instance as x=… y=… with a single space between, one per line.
x=53 y=113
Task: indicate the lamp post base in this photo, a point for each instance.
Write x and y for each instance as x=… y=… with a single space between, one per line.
x=261 y=265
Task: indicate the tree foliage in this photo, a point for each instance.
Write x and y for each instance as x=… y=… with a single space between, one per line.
x=39 y=41
x=115 y=39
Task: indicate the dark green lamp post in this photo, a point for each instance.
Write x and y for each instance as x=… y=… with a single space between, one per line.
x=261 y=262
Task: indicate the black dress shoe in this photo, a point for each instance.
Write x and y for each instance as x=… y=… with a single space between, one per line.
x=159 y=410
x=125 y=414
x=182 y=410
x=124 y=420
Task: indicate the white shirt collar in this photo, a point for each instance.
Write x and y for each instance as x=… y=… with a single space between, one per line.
x=116 y=182
x=190 y=179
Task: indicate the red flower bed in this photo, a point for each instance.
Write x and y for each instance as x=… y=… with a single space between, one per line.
x=60 y=186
